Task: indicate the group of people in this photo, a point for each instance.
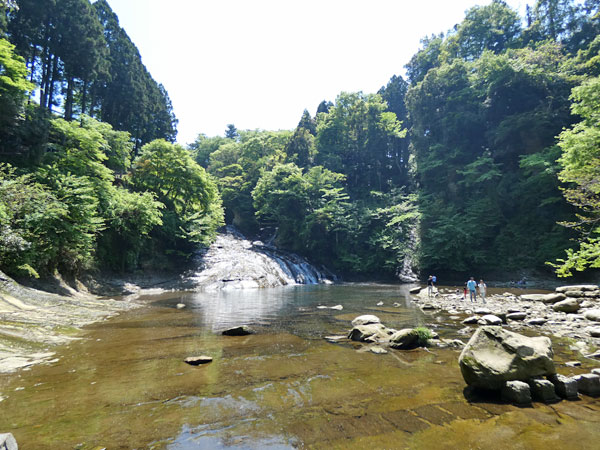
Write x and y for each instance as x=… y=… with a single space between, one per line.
x=472 y=287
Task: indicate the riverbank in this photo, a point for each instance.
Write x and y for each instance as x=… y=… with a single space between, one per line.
x=569 y=312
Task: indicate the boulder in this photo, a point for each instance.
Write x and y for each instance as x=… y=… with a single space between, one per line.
x=8 y=442
x=494 y=356
x=243 y=330
x=565 y=387
x=593 y=315
x=490 y=319
x=570 y=305
x=517 y=392
x=404 y=339
x=544 y=298
x=575 y=294
x=542 y=390
x=197 y=360
x=578 y=287
x=588 y=383
x=365 y=320
x=373 y=332
x=516 y=315
x=415 y=290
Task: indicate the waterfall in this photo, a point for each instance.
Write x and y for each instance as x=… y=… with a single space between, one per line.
x=233 y=262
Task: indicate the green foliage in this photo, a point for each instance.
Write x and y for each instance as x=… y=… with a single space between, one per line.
x=424 y=335
x=580 y=171
x=189 y=194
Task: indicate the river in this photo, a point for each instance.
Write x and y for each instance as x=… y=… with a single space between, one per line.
x=125 y=385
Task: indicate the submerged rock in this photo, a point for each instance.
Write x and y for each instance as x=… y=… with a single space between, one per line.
x=494 y=356
x=243 y=330
x=373 y=332
x=197 y=360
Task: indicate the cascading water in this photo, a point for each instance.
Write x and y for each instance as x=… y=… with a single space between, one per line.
x=233 y=262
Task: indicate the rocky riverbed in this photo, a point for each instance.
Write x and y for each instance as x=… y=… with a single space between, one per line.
x=570 y=312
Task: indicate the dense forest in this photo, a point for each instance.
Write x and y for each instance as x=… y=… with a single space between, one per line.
x=485 y=157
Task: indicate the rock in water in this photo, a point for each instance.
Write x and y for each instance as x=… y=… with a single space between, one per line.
x=490 y=319
x=570 y=305
x=415 y=290
x=544 y=298
x=244 y=330
x=180 y=305
x=404 y=339
x=565 y=387
x=588 y=383
x=516 y=315
x=579 y=287
x=517 y=392
x=8 y=442
x=373 y=332
x=494 y=356
x=542 y=390
x=365 y=320
x=197 y=360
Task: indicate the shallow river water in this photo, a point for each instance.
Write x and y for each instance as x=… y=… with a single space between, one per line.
x=125 y=385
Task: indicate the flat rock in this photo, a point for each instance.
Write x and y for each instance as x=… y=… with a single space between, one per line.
x=335 y=338
x=578 y=287
x=588 y=383
x=8 y=442
x=490 y=319
x=516 y=315
x=544 y=298
x=569 y=305
x=380 y=304
x=378 y=350
x=494 y=356
x=573 y=364
x=483 y=311
x=365 y=320
x=197 y=360
x=243 y=330
x=543 y=390
x=415 y=290
x=337 y=307
x=428 y=306
x=517 y=392
x=537 y=321
x=180 y=305
x=594 y=331
x=593 y=315
x=564 y=387
x=471 y=320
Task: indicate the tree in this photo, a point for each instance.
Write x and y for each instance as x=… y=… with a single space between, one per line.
x=580 y=162
x=231 y=132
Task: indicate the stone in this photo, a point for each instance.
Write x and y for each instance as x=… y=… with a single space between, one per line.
x=593 y=315
x=494 y=356
x=513 y=310
x=380 y=304
x=180 y=305
x=490 y=319
x=415 y=290
x=243 y=330
x=569 y=305
x=575 y=294
x=197 y=360
x=596 y=371
x=588 y=384
x=502 y=316
x=565 y=387
x=516 y=315
x=337 y=307
x=578 y=287
x=428 y=306
x=544 y=298
x=573 y=364
x=471 y=320
x=365 y=320
x=517 y=392
x=537 y=321
x=483 y=311
x=335 y=338
x=404 y=339
x=8 y=442
x=373 y=332
x=542 y=390
x=378 y=350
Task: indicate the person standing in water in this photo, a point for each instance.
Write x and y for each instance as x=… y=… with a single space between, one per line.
x=429 y=286
x=471 y=286
x=482 y=290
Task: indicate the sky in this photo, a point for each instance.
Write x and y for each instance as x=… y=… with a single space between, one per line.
x=260 y=63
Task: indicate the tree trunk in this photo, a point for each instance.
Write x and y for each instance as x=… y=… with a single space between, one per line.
x=84 y=97
x=69 y=99
x=53 y=80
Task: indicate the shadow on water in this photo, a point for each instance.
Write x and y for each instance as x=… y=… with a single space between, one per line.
x=125 y=384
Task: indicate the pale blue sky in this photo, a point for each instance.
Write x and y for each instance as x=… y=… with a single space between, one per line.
x=260 y=63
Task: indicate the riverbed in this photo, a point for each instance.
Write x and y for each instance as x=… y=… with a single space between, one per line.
x=125 y=385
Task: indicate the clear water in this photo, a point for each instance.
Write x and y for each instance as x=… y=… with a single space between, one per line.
x=125 y=385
